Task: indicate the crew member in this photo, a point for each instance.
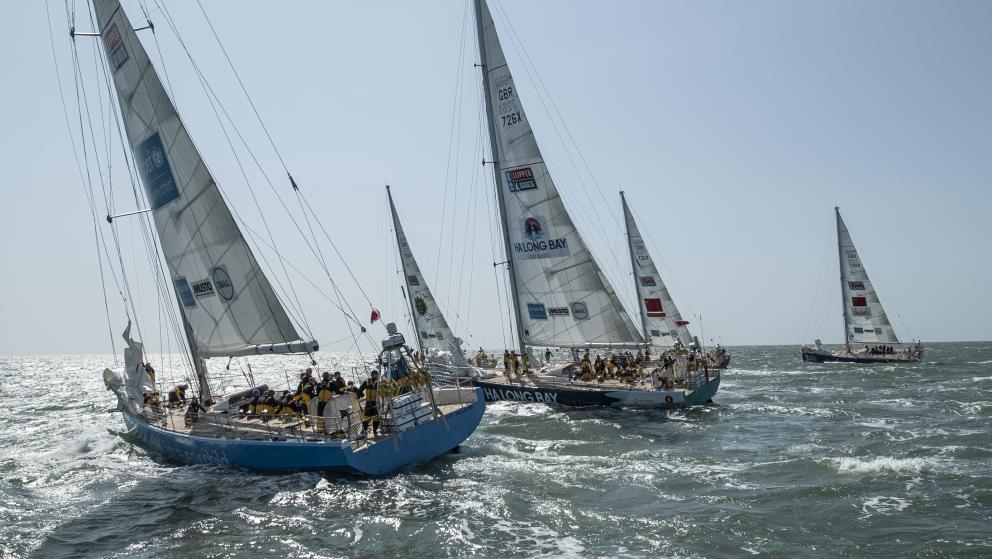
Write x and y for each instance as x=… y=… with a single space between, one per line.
x=370 y=389
x=193 y=412
x=177 y=396
x=150 y=372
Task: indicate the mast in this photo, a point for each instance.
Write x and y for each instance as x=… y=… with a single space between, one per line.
x=840 y=269
x=409 y=299
x=494 y=151
x=633 y=267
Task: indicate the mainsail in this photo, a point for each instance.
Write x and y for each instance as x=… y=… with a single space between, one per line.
x=432 y=329
x=561 y=296
x=864 y=317
x=660 y=319
x=228 y=304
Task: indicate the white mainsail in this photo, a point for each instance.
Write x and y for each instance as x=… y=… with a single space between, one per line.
x=660 y=319
x=864 y=318
x=432 y=329
x=228 y=303
x=562 y=298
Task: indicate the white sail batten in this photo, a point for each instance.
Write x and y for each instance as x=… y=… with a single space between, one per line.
x=865 y=321
x=562 y=297
x=660 y=318
x=228 y=302
x=432 y=328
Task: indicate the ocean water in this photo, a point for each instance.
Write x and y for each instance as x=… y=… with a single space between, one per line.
x=792 y=460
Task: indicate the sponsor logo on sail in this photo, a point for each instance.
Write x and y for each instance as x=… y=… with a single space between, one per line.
x=424 y=334
x=537 y=311
x=185 y=293
x=681 y=323
x=156 y=172
x=859 y=301
x=413 y=280
x=656 y=333
x=580 y=311
x=859 y=330
x=878 y=331
x=115 y=47
x=521 y=178
x=223 y=283
x=203 y=288
x=856 y=285
x=648 y=281
x=558 y=311
x=652 y=307
x=534 y=242
x=420 y=305
x=439 y=335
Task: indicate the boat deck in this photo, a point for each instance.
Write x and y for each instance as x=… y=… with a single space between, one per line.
x=644 y=382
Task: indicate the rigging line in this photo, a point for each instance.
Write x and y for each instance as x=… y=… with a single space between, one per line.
x=208 y=89
x=158 y=49
x=530 y=70
x=459 y=73
x=259 y=239
x=299 y=307
x=72 y=141
x=564 y=124
x=470 y=218
x=274 y=148
x=672 y=284
x=242 y=84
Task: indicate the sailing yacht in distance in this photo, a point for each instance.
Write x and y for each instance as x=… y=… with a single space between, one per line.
x=228 y=308
x=559 y=294
x=865 y=321
x=662 y=324
x=438 y=345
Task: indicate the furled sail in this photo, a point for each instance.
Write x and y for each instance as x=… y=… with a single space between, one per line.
x=228 y=302
x=661 y=320
x=432 y=328
x=864 y=318
x=562 y=297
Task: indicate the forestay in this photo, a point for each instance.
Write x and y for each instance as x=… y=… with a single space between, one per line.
x=661 y=320
x=428 y=320
x=228 y=302
x=864 y=317
x=563 y=299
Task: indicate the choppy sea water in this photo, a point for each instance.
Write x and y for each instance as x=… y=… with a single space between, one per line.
x=793 y=460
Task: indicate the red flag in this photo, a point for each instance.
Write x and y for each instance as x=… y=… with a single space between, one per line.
x=375 y=315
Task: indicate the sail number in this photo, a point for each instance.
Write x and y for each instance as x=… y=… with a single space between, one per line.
x=512 y=118
x=504 y=94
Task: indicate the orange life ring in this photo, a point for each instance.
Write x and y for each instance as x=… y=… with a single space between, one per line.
x=669 y=399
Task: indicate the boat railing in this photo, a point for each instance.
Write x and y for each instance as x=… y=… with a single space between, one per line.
x=224 y=425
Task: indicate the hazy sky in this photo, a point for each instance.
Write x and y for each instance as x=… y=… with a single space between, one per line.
x=734 y=128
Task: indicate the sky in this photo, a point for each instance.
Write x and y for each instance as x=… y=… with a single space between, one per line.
x=733 y=127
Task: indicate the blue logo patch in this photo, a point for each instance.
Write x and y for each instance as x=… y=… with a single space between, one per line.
x=537 y=311
x=185 y=293
x=656 y=333
x=156 y=172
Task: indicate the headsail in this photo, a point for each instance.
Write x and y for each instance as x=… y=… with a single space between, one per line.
x=864 y=317
x=661 y=320
x=562 y=297
x=432 y=329
x=228 y=302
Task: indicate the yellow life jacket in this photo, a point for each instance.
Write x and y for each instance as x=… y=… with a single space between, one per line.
x=371 y=391
x=325 y=394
